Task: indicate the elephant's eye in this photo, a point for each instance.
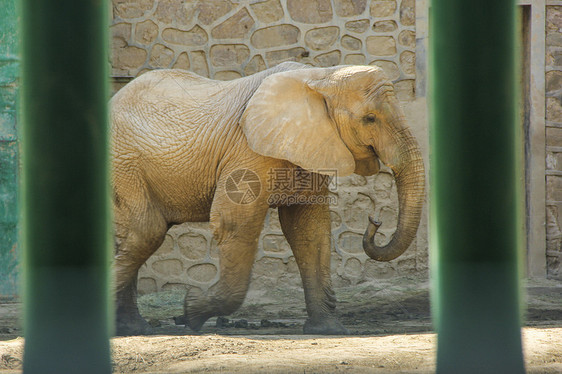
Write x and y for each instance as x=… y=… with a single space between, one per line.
x=370 y=118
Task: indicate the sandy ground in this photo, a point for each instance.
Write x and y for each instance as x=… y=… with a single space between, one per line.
x=389 y=321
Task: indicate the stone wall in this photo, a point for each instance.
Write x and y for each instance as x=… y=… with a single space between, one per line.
x=225 y=40
x=554 y=141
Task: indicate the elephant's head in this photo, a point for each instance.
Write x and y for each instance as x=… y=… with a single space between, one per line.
x=347 y=118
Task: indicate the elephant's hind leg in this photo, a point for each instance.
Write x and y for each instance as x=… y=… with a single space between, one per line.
x=307 y=229
x=136 y=241
x=236 y=228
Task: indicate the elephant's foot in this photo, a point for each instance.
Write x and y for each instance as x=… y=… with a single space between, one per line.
x=195 y=321
x=197 y=311
x=131 y=324
x=325 y=326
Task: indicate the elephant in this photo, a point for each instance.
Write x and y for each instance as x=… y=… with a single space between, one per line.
x=191 y=149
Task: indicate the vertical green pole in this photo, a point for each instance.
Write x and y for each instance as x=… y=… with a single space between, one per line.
x=65 y=186
x=475 y=195
x=9 y=68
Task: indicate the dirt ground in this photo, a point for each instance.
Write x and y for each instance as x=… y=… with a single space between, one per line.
x=389 y=322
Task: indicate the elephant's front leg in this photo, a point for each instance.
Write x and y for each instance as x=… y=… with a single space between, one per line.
x=236 y=227
x=307 y=229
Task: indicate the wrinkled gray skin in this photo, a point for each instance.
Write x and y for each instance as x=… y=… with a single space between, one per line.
x=176 y=137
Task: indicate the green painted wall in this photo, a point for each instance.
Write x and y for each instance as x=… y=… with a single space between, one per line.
x=9 y=69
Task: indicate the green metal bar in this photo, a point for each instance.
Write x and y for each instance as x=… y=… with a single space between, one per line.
x=65 y=186
x=475 y=195
x=9 y=66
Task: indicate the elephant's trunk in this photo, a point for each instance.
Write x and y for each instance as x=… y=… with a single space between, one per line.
x=410 y=183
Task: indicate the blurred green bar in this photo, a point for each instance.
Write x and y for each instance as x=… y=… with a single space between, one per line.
x=65 y=210
x=9 y=69
x=475 y=195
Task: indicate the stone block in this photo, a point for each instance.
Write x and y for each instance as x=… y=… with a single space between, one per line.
x=236 y=27
x=321 y=39
x=350 y=43
x=553 y=81
x=255 y=65
x=405 y=90
x=553 y=19
x=179 y=13
x=388 y=215
x=332 y=58
x=384 y=186
x=146 y=285
x=131 y=8
x=382 y=8
x=554 y=57
x=352 y=180
x=390 y=68
x=554 y=264
x=554 y=161
x=277 y=244
x=127 y=59
x=359 y=26
x=407 y=39
x=203 y=273
x=212 y=10
x=227 y=75
x=352 y=268
x=553 y=249
x=553 y=222
x=122 y=31
x=167 y=246
x=192 y=38
x=275 y=36
x=554 y=40
x=335 y=219
x=193 y=246
x=199 y=63
x=160 y=56
x=269 y=267
x=357 y=210
x=229 y=55
x=146 y=32
x=355 y=59
x=379 y=270
x=554 y=136
x=168 y=267
x=294 y=54
x=385 y=26
x=381 y=45
x=182 y=62
x=408 y=62
x=350 y=242
x=310 y=11
x=553 y=109
x=268 y=11
x=350 y=8
x=406 y=266
x=554 y=188
x=408 y=13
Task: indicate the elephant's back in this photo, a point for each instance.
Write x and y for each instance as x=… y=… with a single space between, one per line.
x=170 y=133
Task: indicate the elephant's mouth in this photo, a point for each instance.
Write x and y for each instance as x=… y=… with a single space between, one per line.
x=373 y=152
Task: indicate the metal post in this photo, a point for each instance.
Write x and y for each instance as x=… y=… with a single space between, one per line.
x=9 y=66
x=475 y=195
x=65 y=186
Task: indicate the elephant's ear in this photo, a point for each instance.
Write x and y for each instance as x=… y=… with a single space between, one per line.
x=288 y=119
